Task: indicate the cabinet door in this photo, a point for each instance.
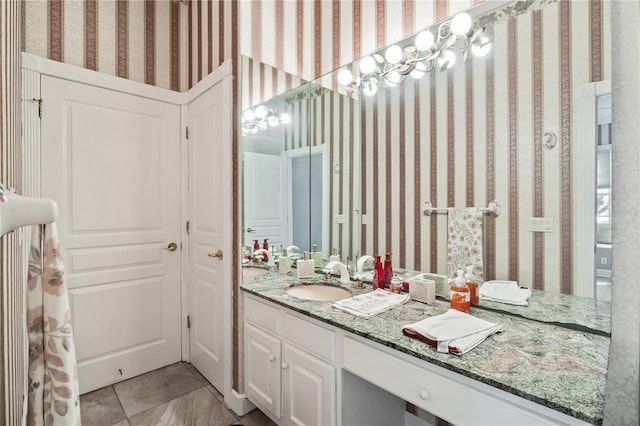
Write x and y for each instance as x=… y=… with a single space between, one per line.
x=262 y=369
x=309 y=389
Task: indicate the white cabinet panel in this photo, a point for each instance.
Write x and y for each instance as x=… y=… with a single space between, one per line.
x=262 y=369
x=308 y=388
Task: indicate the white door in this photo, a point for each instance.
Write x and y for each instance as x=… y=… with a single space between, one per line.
x=264 y=207
x=210 y=254
x=112 y=163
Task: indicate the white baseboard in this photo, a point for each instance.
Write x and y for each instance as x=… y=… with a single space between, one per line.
x=238 y=403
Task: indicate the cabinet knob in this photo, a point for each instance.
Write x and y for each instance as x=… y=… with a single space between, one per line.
x=272 y=357
x=424 y=395
x=285 y=365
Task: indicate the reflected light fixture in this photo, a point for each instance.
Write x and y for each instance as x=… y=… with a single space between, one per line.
x=438 y=48
x=260 y=118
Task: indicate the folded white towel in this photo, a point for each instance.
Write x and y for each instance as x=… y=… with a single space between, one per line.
x=370 y=304
x=505 y=292
x=453 y=331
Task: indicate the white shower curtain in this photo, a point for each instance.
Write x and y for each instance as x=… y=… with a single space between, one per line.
x=53 y=379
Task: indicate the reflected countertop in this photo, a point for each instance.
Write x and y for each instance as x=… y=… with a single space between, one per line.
x=563 y=368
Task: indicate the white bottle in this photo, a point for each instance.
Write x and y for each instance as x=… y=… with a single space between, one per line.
x=306 y=267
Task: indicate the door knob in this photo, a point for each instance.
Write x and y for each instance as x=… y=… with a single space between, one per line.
x=251 y=230
x=217 y=254
x=172 y=247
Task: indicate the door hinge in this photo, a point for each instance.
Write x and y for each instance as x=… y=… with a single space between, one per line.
x=188 y=227
x=188 y=321
x=186 y=132
x=39 y=107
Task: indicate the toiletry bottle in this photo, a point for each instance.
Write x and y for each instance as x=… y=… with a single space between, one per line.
x=375 y=284
x=395 y=285
x=459 y=293
x=379 y=272
x=265 y=245
x=316 y=255
x=256 y=245
x=335 y=255
x=472 y=283
x=388 y=270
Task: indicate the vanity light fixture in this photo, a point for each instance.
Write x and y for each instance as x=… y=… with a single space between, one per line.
x=260 y=118
x=453 y=38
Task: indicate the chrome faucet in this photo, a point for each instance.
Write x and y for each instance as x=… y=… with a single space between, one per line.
x=344 y=273
x=266 y=253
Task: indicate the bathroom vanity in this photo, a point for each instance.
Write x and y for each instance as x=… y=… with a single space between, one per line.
x=308 y=364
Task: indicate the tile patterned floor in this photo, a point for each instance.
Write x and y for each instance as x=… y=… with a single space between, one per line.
x=174 y=395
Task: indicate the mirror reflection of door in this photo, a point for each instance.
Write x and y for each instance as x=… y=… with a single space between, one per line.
x=603 y=199
x=307 y=182
x=264 y=204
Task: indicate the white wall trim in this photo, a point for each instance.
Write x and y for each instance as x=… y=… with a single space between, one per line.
x=98 y=79
x=584 y=237
x=223 y=71
x=238 y=403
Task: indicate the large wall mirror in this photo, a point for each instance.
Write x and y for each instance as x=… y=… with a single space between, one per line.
x=508 y=126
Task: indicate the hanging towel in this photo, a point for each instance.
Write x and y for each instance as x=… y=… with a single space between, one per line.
x=370 y=304
x=53 y=378
x=505 y=292
x=464 y=244
x=454 y=332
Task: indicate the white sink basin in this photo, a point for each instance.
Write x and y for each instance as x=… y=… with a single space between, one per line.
x=318 y=292
x=250 y=271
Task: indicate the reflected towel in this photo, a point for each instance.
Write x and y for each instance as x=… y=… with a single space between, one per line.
x=53 y=377
x=454 y=332
x=370 y=304
x=505 y=292
x=464 y=243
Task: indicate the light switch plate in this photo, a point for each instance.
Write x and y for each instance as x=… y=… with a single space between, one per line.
x=339 y=218
x=541 y=224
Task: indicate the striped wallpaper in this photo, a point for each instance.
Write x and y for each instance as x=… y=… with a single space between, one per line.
x=331 y=33
x=167 y=43
x=461 y=138
x=12 y=272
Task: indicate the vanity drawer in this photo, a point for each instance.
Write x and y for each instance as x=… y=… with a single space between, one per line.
x=452 y=398
x=262 y=315
x=313 y=338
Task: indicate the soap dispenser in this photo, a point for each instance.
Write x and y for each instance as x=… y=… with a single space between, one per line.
x=459 y=293
x=472 y=283
x=306 y=266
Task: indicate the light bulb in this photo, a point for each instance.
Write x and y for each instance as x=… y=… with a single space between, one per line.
x=272 y=120
x=261 y=111
x=461 y=24
x=249 y=114
x=393 y=78
x=393 y=54
x=345 y=77
x=285 y=118
x=482 y=48
x=370 y=87
x=367 y=65
x=419 y=70
x=446 y=59
x=424 y=40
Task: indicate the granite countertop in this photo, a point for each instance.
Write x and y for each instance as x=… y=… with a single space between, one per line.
x=558 y=367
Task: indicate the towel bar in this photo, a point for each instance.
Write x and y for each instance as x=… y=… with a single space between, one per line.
x=493 y=209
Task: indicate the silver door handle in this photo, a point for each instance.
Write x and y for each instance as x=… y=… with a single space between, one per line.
x=251 y=230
